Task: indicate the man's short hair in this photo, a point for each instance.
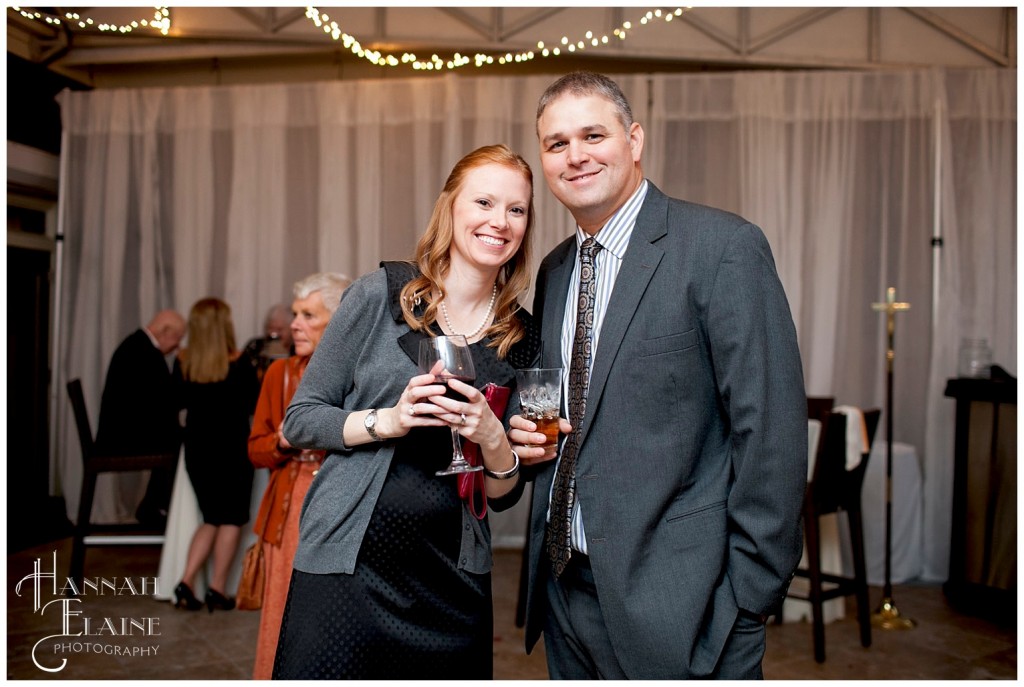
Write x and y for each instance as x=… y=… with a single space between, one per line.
x=584 y=84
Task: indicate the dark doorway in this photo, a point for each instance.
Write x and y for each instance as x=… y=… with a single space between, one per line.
x=33 y=517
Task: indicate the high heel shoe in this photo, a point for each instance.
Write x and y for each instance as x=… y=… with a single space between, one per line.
x=184 y=598
x=215 y=599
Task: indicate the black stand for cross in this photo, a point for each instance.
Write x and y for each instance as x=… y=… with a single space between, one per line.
x=888 y=617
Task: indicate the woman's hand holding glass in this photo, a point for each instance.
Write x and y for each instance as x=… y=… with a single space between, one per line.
x=472 y=419
x=414 y=409
x=423 y=404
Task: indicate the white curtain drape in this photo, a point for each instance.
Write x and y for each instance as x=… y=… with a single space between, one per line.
x=178 y=193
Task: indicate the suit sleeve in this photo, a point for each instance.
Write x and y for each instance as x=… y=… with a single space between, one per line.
x=116 y=433
x=757 y=366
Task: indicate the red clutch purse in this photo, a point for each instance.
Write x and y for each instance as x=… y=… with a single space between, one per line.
x=472 y=483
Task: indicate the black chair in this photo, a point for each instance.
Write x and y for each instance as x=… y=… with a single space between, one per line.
x=819 y=406
x=94 y=464
x=833 y=489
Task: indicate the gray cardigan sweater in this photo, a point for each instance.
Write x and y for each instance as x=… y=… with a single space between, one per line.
x=361 y=363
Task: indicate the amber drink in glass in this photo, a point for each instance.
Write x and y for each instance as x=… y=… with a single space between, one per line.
x=540 y=399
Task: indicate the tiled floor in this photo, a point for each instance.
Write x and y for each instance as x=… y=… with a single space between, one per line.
x=944 y=646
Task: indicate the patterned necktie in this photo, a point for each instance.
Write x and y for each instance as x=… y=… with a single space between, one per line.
x=563 y=495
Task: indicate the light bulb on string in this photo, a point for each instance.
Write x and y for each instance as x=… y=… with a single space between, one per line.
x=508 y=58
x=161 y=22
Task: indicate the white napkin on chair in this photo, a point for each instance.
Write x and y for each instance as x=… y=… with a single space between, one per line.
x=856 y=435
x=813 y=435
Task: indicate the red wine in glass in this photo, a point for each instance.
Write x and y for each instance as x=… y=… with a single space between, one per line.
x=456 y=362
x=452 y=393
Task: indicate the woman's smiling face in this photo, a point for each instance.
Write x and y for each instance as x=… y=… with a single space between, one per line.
x=489 y=216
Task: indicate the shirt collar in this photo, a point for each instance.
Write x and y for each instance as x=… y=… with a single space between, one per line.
x=614 y=235
x=152 y=339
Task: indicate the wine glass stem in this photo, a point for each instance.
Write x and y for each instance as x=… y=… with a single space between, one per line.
x=457 y=456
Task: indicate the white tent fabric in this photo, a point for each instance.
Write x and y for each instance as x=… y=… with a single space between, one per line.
x=173 y=194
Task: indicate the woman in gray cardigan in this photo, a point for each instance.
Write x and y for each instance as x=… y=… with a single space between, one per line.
x=392 y=574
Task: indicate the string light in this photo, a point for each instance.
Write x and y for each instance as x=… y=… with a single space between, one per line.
x=161 y=21
x=323 y=21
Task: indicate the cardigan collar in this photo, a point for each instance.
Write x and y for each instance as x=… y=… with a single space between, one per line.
x=522 y=354
x=399 y=274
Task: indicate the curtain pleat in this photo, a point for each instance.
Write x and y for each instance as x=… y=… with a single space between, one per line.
x=174 y=194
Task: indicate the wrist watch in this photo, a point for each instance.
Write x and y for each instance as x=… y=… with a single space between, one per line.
x=370 y=423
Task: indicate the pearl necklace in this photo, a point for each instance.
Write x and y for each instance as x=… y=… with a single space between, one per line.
x=483 y=323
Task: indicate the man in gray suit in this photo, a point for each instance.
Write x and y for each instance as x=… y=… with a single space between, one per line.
x=668 y=527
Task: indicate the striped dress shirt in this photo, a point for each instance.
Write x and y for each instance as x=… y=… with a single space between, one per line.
x=614 y=239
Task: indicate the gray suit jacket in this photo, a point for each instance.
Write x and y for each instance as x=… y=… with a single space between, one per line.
x=693 y=460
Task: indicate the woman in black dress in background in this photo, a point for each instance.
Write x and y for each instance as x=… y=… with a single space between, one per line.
x=218 y=389
x=392 y=578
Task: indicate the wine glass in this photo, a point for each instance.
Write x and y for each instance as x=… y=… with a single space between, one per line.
x=448 y=357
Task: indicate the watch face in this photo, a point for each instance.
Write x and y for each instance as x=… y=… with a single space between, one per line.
x=369 y=423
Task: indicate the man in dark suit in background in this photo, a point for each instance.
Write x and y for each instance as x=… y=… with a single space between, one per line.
x=668 y=527
x=276 y=341
x=139 y=412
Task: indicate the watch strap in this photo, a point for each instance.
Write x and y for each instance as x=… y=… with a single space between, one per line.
x=370 y=424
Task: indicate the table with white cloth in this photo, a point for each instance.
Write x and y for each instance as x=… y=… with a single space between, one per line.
x=907 y=516
x=183 y=519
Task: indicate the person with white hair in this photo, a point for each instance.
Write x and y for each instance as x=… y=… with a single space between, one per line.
x=291 y=469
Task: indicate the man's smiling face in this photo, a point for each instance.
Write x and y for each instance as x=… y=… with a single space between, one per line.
x=591 y=163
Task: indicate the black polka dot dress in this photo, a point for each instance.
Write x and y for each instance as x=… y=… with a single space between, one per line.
x=408 y=612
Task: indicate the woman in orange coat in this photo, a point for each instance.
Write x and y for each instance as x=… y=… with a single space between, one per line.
x=291 y=470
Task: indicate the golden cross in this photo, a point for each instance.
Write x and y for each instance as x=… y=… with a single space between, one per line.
x=890 y=308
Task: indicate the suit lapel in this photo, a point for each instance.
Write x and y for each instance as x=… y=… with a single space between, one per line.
x=638 y=267
x=555 y=294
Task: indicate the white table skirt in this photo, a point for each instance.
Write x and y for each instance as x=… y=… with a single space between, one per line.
x=907 y=516
x=183 y=519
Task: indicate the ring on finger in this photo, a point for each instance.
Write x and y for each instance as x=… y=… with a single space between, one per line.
x=463 y=419
x=412 y=408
